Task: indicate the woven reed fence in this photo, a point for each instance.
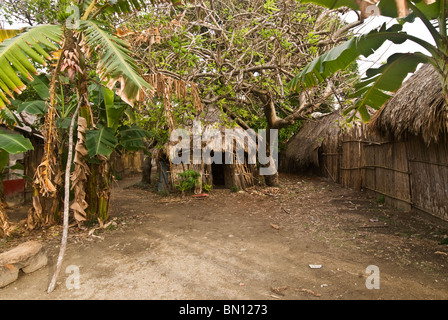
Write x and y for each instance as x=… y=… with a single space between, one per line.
x=409 y=173
x=127 y=164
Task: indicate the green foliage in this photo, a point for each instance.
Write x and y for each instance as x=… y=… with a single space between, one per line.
x=37 y=107
x=241 y=66
x=14 y=143
x=101 y=141
x=375 y=89
x=131 y=137
x=206 y=187
x=333 y=4
x=32 y=12
x=189 y=181
x=270 y=6
x=115 y=64
x=285 y=134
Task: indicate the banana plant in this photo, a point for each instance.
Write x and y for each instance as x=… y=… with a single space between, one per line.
x=85 y=34
x=378 y=85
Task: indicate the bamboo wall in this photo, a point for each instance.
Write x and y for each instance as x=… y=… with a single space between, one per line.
x=241 y=176
x=127 y=164
x=410 y=174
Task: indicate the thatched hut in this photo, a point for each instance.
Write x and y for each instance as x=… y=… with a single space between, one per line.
x=402 y=154
x=417 y=109
x=240 y=174
x=417 y=117
x=303 y=152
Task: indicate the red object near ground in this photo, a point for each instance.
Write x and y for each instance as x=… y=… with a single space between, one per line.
x=202 y=195
x=11 y=187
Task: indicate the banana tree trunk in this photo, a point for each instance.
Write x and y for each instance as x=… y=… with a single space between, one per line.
x=98 y=178
x=98 y=191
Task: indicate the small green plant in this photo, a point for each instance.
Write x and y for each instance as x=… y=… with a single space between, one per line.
x=206 y=187
x=380 y=199
x=234 y=189
x=189 y=181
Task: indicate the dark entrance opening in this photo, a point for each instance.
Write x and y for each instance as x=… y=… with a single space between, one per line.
x=218 y=175
x=218 y=172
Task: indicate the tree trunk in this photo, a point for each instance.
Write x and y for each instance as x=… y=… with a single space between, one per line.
x=98 y=191
x=66 y=206
x=271 y=180
x=146 y=174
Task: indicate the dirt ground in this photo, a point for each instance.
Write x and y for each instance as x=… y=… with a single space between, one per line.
x=254 y=245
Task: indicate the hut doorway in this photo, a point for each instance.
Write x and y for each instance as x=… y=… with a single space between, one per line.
x=218 y=175
x=219 y=179
x=221 y=172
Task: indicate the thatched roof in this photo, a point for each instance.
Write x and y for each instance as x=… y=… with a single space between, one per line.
x=302 y=150
x=417 y=108
x=213 y=121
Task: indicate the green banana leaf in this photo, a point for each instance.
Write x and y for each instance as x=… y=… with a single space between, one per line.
x=376 y=88
x=19 y=54
x=387 y=7
x=8 y=117
x=125 y=6
x=115 y=65
x=432 y=11
x=114 y=110
x=6 y=34
x=14 y=143
x=131 y=138
x=340 y=57
x=101 y=141
x=41 y=86
x=4 y=159
x=37 y=107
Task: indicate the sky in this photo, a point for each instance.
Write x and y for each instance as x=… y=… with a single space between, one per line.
x=417 y=28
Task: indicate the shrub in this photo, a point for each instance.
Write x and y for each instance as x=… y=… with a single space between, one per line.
x=189 y=181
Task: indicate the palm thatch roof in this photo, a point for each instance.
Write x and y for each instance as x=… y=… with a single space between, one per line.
x=417 y=108
x=219 y=132
x=302 y=151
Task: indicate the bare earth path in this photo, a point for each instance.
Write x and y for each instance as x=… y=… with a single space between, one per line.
x=247 y=245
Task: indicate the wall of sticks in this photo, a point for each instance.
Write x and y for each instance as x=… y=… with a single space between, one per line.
x=409 y=174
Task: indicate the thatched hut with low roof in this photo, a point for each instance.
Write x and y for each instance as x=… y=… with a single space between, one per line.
x=402 y=154
x=417 y=109
x=417 y=118
x=233 y=170
x=303 y=152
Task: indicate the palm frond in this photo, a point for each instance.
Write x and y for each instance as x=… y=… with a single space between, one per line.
x=9 y=33
x=18 y=53
x=115 y=64
x=14 y=143
x=376 y=88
